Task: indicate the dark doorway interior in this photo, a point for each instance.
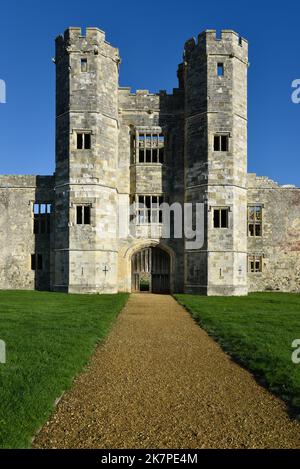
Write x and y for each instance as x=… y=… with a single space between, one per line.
x=151 y=271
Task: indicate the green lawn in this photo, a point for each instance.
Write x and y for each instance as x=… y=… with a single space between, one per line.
x=49 y=338
x=257 y=331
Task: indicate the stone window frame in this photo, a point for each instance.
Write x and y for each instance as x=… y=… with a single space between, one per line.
x=83 y=132
x=256 y=221
x=220 y=68
x=86 y=219
x=146 y=213
x=84 y=61
x=255 y=260
x=220 y=135
x=221 y=208
x=153 y=145
x=42 y=217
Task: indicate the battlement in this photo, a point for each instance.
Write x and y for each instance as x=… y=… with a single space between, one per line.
x=229 y=43
x=264 y=182
x=126 y=91
x=92 y=39
x=91 y=34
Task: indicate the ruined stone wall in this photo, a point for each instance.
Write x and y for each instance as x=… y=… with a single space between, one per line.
x=279 y=244
x=18 y=241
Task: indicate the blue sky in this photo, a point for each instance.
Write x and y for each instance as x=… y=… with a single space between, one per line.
x=150 y=36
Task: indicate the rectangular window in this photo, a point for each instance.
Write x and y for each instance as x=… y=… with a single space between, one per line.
x=83 y=215
x=36 y=262
x=220 y=217
x=79 y=141
x=224 y=142
x=221 y=143
x=255 y=221
x=217 y=143
x=79 y=215
x=83 y=141
x=83 y=64
x=142 y=156
x=255 y=263
x=42 y=218
x=149 y=148
x=87 y=141
x=220 y=69
x=148 y=209
x=87 y=215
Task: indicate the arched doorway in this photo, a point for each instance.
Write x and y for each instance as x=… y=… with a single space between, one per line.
x=150 y=269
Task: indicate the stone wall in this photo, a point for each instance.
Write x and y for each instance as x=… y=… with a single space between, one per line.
x=279 y=244
x=18 y=241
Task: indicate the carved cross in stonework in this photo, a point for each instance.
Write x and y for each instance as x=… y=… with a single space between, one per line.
x=105 y=270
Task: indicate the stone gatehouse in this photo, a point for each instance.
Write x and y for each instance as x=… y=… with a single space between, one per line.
x=116 y=149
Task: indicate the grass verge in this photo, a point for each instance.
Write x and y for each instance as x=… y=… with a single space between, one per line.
x=257 y=331
x=49 y=338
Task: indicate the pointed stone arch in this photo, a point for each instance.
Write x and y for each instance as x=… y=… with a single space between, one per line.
x=125 y=262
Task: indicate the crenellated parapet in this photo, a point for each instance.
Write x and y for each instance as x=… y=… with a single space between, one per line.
x=92 y=42
x=264 y=182
x=144 y=100
x=208 y=43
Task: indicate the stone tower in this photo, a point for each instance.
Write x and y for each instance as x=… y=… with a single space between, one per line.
x=85 y=245
x=215 y=82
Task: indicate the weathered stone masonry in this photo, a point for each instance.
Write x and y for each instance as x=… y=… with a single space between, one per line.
x=115 y=147
x=279 y=244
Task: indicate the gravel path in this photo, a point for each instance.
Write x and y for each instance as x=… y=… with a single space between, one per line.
x=159 y=381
